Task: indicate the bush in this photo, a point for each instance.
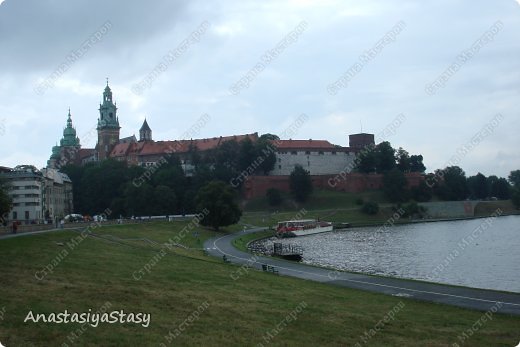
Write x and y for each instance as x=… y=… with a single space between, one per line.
x=370 y=208
x=413 y=210
x=359 y=201
x=274 y=196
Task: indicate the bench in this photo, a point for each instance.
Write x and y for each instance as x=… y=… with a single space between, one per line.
x=269 y=268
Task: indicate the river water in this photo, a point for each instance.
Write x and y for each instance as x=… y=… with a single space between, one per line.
x=480 y=253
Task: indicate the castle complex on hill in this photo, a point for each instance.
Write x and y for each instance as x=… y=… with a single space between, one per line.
x=319 y=157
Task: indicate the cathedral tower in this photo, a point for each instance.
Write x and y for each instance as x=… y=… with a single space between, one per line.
x=108 y=126
x=145 y=133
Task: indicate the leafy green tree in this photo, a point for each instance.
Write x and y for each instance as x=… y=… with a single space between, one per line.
x=224 y=161
x=270 y=137
x=514 y=178
x=370 y=208
x=366 y=161
x=219 y=200
x=395 y=186
x=403 y=160
x=300 y=183
x=503 y=189
x=5 y=199
x=454 y=185
x=165 y=200
x=385 y=157
x=515 y=197
x=422 y=193
x=247 y=154
x=267 y=151
x=499 y=187
x=139 y=199
x=171 y=175
x=478 y=186
x=416 y=164
x=194 y=155
x=274 y=196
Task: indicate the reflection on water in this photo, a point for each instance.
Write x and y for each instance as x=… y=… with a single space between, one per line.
x=425 y=251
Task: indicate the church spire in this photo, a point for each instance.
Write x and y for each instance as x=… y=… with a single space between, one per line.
x=145 y=133
x=69 y=138
x=108 y=111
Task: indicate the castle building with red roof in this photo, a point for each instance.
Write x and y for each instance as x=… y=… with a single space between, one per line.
x=319 y=157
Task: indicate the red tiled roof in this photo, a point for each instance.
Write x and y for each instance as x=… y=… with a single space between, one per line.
x=86 y=152
x=163 y=147
x=303 y=144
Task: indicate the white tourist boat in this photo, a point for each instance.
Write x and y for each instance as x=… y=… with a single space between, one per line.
x=302 y=227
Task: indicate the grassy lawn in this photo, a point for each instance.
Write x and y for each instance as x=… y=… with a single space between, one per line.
x=100 y=272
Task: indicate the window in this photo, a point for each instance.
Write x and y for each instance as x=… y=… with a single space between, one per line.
x=294 y=153
x=333 y=153
x=307 y=152
x=280 y=167
x=320 y=152
x=26 y=214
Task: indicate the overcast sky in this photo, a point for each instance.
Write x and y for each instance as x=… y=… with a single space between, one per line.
x=225 y=40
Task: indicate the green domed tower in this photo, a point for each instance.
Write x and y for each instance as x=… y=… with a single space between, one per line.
x=55 y=157
x=108 y=125
x=66 y=152
x=69 y=135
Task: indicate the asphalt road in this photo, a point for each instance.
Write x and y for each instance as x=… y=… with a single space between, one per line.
x=472 y=298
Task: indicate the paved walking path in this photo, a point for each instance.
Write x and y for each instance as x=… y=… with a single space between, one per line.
x=478 y=299
x=26 y=233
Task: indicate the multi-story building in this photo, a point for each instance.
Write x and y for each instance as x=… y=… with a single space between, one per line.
x=38 y=195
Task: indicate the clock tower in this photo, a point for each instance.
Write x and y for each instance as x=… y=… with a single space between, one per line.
x=108 y=126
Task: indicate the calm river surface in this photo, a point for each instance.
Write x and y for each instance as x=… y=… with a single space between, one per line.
x=426 y=251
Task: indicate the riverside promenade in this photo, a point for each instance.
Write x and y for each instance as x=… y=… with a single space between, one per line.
x=471 y=298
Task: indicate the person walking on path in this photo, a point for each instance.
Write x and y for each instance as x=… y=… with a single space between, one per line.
x=15 y=227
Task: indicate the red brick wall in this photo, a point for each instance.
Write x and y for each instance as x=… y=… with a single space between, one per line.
x=256 y=186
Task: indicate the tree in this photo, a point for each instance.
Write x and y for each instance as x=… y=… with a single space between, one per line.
x=416 y=164
x=274 y=196
x=300 y=183
x=478 y=186
x=454 y=185
x=499 y=187
x=5 y=199
x=267 y=151
x=403 y=160
x=139 y=199
x=515 y=198
x=385 y=157
x=247 y=154
x=395 y=186
x=165 y=200
x=218 y=199
x=366 y=161
x=370 y=208
x=270 y=137
x=422 y=193
x=514 y=178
